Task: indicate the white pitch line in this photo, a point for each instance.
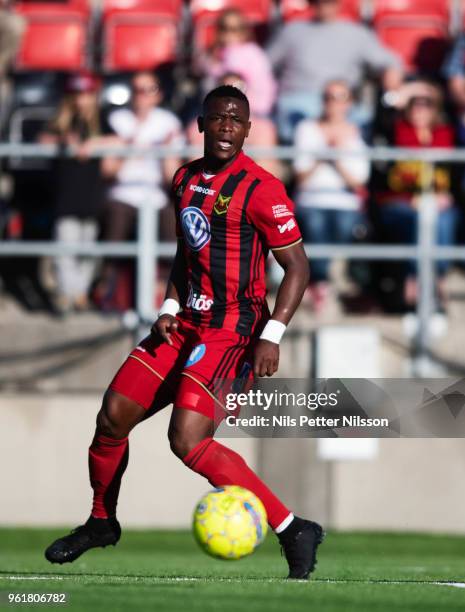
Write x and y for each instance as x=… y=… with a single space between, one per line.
x=154 y=579
x=32 y=577
x=125 y=578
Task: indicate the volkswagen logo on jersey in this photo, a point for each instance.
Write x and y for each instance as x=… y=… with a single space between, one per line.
x=196 y=228
x=197 y=353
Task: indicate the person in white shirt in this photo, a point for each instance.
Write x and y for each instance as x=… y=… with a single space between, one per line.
x=140 y=180
x=330 y=194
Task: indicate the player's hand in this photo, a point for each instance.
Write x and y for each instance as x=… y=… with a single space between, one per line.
x=165 y=326
x=266 y=358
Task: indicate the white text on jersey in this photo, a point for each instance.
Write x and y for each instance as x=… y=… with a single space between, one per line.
x=203 y=190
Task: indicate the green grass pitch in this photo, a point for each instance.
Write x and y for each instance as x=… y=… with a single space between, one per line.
x=166 y=571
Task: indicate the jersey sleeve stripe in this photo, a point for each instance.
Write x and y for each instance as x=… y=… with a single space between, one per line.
x=286 y=246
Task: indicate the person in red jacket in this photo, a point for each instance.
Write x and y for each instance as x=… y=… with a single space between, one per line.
x=421 y=125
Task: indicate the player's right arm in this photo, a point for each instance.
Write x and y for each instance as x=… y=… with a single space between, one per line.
x=176 y=291
x=167 y=324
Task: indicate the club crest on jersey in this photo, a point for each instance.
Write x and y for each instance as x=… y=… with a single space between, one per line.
x=222 y=204
x=196 y=228
x=197 y=353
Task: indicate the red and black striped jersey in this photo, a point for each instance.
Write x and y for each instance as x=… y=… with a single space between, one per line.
x=228 y=223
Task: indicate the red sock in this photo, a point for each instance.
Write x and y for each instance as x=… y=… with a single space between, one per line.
x=222 y=466
x=108 y=459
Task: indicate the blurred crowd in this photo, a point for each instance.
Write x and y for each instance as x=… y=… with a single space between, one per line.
x=319 y=83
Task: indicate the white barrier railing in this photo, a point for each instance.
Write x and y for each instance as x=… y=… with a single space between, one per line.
x=147 y=250
x=377 y=153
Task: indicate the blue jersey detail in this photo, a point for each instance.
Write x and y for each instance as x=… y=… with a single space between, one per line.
x=197 y=353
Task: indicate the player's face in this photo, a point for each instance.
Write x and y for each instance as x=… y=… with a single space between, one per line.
x=226 y=125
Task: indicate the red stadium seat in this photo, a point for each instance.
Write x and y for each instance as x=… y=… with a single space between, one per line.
x=140 y=34
x=55 y=37
x=170 y=8
x=78 y=6
x=292 y=10
x=417 y=30
x=140 y=43
x=421 y=7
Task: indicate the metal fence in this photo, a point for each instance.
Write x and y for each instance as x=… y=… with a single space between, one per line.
x=146 y=250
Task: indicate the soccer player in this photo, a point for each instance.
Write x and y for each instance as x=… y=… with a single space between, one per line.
x=214 y=324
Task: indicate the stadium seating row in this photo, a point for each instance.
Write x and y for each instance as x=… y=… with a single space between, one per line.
x=138 y=34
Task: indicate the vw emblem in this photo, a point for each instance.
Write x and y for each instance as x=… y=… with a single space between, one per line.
x=196 y=228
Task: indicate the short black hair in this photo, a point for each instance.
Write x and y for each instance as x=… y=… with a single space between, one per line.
x=226 y=91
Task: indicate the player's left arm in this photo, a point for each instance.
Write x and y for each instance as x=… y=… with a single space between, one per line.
x=296 y=277
x=272 y=213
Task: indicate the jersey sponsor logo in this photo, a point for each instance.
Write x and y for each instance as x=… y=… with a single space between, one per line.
x=197 y=353
x=198 y=302
x=281 y=210
x=222 y=204
x=287 y=227
x=196 y=228
x=204 y=190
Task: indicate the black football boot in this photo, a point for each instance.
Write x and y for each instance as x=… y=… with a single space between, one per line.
x=299 y=542
x=94 y=533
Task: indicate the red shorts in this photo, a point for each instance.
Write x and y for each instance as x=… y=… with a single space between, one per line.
x=192 y=373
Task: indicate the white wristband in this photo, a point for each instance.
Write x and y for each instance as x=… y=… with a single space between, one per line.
x=273 y=331
x=170 y=307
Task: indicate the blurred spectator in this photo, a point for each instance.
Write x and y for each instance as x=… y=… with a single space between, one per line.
x=141 y=179
x=11 y=30
x=262 y=131
x=454 y=72
x=306 y=55
x=235 y=51
x=330 y=194
x=407 y=182
x=78 y=181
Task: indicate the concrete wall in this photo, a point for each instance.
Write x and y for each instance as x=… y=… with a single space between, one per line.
x=409 y=485
x=43 y=466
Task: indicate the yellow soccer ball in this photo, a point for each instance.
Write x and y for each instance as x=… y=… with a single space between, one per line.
x=229 y=522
